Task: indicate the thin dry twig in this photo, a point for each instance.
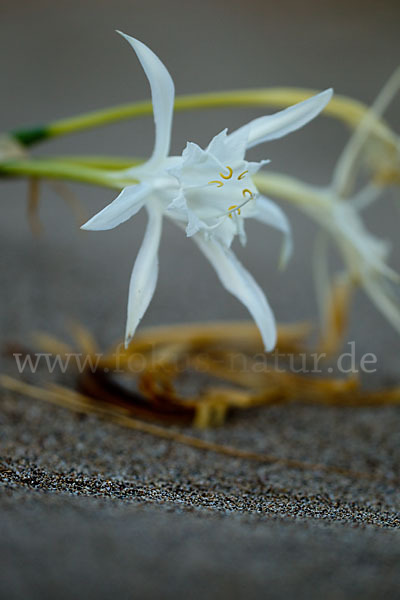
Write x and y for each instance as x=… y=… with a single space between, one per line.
x=78 y=402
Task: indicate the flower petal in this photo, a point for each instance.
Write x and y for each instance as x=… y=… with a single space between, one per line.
x=269 y=213
x=145 y=272
x=194 y=223
x=127 y=204
x=162 y=95
x=365 y=251
x=196 y=167
x=276 y=126
x=237 y=280
x=227 y=150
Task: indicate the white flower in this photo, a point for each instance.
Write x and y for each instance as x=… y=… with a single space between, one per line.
x=364 y=255
x=337 y=209
x=207 y=192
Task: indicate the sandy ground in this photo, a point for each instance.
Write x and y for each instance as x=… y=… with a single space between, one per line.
x=93 y=510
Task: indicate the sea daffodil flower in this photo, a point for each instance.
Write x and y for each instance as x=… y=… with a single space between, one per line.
x=207 y=192
x=365 y=255
x=337 y=209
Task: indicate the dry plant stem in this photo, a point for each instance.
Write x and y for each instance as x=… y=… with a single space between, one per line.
x=68 y=196
x=165 y=347
x=336 y=315
x=387 y=177
x=245 y=334
x=51 y=344
x=78 y=403
x=211 y=348
x=158 y=356
x=33 y=207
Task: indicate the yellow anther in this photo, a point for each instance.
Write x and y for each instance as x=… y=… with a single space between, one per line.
x=219 y=183
x=227 y=176
x=242 y=175
x=247 y=191
x=231 y=208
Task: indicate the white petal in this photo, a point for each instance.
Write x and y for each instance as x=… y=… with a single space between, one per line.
x=178 y=203
x=196 y=167
x=240 y=230
x=241 y=284
x=194 y=223
x=162 y=95
x=269 y=213
x=227 y=150
x=145 y=272
x=365 y=197
x=369 y=251
x=254 y=167
x=221 y=228
x=225 y=231
x=127 y=204
x=276 y=126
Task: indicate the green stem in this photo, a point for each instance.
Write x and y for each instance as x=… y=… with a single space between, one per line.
x=54 y=169
x=108 y=163
x=101 y=170
x=345 y=109
x=289 y=188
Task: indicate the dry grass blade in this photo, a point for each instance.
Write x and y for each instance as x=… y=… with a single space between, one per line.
x=33 y=207
x=144 y=380
x=79 y=403
x=337 y=315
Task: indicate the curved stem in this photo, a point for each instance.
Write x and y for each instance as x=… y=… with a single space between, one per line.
x=289 y=188
x=53 y=169
x=340 y=107
x=108 y=163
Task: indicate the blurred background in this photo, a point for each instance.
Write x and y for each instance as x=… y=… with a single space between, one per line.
x=63 y=58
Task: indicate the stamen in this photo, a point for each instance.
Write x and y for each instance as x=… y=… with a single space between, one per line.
x=227 y=176
x=247 y=191
x=231 y=209
x=219 y=183
x=236 y=208
x=242 y=175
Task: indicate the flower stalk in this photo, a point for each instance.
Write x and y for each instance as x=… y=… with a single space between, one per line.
x=65 y=169
x=345 y=109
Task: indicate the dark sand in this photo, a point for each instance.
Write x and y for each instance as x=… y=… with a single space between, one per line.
x=92 y=510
